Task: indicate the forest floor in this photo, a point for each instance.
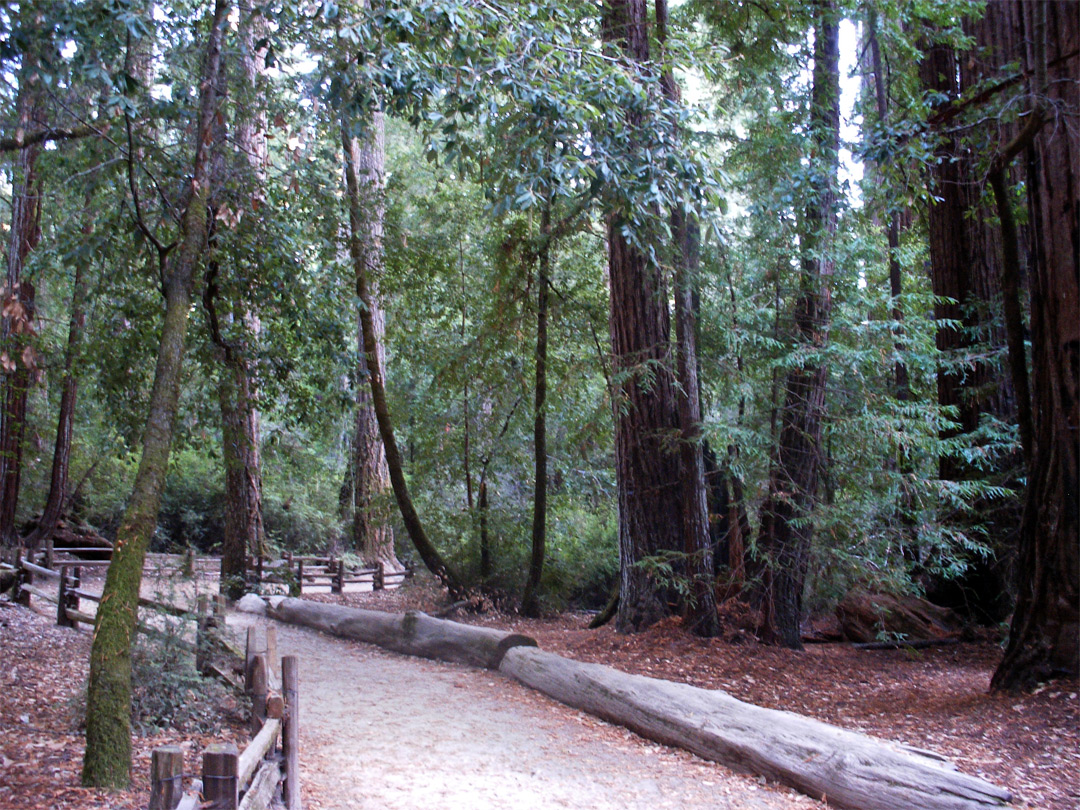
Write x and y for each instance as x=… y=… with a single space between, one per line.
x=516 y=747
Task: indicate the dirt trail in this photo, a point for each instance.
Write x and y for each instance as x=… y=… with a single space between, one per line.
x=381 y=730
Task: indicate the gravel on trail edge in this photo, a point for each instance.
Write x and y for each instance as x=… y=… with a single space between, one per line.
x=383 y=730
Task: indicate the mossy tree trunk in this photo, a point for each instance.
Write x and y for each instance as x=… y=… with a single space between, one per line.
x=107 y=761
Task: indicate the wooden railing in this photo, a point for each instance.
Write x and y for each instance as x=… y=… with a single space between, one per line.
x=270 y=763
x=296 y=572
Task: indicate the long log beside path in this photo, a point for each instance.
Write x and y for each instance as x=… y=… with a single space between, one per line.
x=412 y=633
x=851 y=770
x=821 y=760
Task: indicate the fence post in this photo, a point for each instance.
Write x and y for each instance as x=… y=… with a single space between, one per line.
x=23 y=577
x=221 y=789
x=249 y=656
x=299 y=579
x=166 y=777
x=259 y=691
x=273 y=666
x=49 y=552
x=202 y=635
x=378 y=581
x=73 y=597
x=61 y=600
x=339 y=578
x=290 y=738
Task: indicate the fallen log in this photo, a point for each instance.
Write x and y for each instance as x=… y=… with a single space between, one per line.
x=849 y=769
x=412 y=633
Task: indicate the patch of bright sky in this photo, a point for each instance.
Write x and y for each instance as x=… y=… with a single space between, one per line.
x=851 y=168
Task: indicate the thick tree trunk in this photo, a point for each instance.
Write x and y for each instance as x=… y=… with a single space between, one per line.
x=107 y=760
x=786 y=515
x=361 y=245
x=530 y=605
x=1043 y=637
x=964 y=252
x=17 y=323
x=646 y=455
x=373 y=533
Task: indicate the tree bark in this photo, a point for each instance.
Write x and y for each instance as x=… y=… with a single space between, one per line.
x=786 y=515
x=847 y=769
x=373 y=533
x=365 y=249
x=107 y=760
x=1043 y=636
x=646 y=423
x=58 y=480
x=18 y=293
x=241 y=421
x=530 y=605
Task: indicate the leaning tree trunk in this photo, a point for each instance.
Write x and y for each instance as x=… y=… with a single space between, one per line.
x=18 y=299
x=365 y=250
x=373 y=531
x=107 y=760
x=786 y=522
x=1043 y=637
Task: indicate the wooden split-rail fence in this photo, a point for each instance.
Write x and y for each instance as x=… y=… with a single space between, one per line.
x=268 y=766
x=294 y=573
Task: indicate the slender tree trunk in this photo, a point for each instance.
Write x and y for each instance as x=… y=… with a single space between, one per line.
x=17 y=360
x=699 y=609
x=365 y=249
x=1043 y=637
x=892 y=231
x=787 y=513
x=58 y=480
x=700 y=612
x=107 y=760
x=530 y=605
x=237 y=397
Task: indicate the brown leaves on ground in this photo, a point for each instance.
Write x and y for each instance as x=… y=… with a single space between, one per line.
x=43 y=671
x=934 y=699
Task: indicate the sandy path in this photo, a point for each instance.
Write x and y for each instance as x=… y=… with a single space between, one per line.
x=381 y=730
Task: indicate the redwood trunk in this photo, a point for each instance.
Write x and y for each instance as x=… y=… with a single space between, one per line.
x=18 y=297
x=1046 y=623
x=646 y=455
x=787 y=514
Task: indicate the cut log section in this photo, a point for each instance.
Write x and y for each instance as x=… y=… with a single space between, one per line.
x=412 y=633
x=849 y=769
